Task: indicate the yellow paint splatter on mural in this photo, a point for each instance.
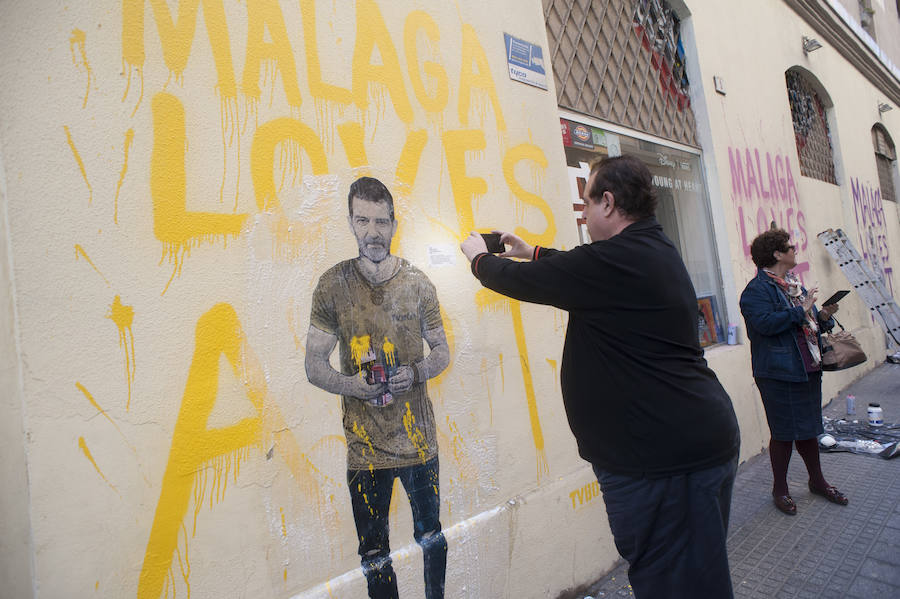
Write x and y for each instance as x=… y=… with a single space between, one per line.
x=197 y=450
x=360 y=347
x=79 y=251
x=486 y=299
x=77 y=39
x=388 y=349
x=360 y=431
x=129 y=137
x=80 y=163
x=283 y=524
x=415 y=433
x=123 y=317
x=87 y=454
x=96 y=405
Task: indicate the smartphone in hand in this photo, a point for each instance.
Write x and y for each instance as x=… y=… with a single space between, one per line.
x=838 y=296
x=494 y=245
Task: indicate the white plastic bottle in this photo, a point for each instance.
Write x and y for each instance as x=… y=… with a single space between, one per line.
x=876 y=415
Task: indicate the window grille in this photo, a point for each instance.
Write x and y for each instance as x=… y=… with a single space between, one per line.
x=622 y=61
x=810 y=128
x=885 y=158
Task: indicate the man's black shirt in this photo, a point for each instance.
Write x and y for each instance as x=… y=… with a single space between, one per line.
x=639 y=396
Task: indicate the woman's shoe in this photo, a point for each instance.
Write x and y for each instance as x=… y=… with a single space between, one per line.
x=785 y=504
x=830 y=493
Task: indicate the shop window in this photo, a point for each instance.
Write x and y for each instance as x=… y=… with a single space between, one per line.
x=811 y=131
x=622 y=61
x=886 y=161
x=683 y=208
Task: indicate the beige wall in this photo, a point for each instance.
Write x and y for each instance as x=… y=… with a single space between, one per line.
x=175 y=188
x=754 y=117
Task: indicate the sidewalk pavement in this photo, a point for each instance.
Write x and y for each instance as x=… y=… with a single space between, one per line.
x=826 y=551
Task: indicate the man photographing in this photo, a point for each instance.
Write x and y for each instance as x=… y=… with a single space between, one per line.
x=380 y=308
x=646 y=410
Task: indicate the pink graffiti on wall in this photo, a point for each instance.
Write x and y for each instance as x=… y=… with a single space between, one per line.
x=872 y=229
x=762 y=191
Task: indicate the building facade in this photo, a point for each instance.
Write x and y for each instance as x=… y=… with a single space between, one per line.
x=174 y=178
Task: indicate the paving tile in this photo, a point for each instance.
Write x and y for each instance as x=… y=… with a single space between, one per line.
x=865 y=588
x=881 y=571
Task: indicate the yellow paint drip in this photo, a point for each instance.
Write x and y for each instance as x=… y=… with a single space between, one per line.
x=359 y=348
x=360 y=431
x=87 y=454
x=123 y=316
x=485 y=384
x=178 y=229
x=78 y=38
x=129 y=138
x=79 y=251
x=502 y=374
x=488 y=300
x=96 y=405
x=388 y=350
x=79 y=162
x=283 y=524
x=552 y=364
x=414 y=433
x=198 y=451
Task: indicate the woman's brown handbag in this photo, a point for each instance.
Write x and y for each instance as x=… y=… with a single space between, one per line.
x=841 y=350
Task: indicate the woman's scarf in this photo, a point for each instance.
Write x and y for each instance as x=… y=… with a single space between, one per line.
x=795 y=294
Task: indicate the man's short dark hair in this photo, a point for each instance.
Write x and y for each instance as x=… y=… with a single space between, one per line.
x=764 y=246
x=630 y=182
x=370 y=190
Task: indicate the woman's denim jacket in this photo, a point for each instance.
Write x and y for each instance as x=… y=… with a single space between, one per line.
x=772 y=330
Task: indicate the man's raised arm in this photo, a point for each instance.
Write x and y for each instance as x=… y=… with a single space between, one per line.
x=319 y=346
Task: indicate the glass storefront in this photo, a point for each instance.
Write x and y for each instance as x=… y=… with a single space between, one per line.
x=683 y=209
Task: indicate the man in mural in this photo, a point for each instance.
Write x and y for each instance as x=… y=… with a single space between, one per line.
x=380 y=308
x=646 y=410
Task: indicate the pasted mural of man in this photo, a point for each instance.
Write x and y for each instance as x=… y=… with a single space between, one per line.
x=379 y=308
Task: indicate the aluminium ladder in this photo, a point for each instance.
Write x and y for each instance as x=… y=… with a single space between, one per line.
x=865 y=282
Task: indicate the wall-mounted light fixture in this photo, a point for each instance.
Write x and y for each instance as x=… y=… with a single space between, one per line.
x=810 y=44
x=884 y=107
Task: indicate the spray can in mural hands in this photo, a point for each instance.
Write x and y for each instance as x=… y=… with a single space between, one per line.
x=378 y=374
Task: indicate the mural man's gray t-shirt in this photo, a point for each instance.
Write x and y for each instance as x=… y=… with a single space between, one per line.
x=389 y=319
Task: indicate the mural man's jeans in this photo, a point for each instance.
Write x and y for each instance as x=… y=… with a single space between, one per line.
x=370 y=494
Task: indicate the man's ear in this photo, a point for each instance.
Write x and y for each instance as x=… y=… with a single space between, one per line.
x=610 y=201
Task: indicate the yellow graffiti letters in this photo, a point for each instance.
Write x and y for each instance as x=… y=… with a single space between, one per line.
x=262 y=156
x=478 y=77
x=585 y=494
x=317 y=87
x=465 y=188
x=372 y=33
x=420 y=21
x=534 y=154
x=352 y=136
x=194 y=445
x=177 y=36
x=173 y=225
x=262 y=16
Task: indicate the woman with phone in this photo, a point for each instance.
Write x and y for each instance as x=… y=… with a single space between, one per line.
x=784 y=328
